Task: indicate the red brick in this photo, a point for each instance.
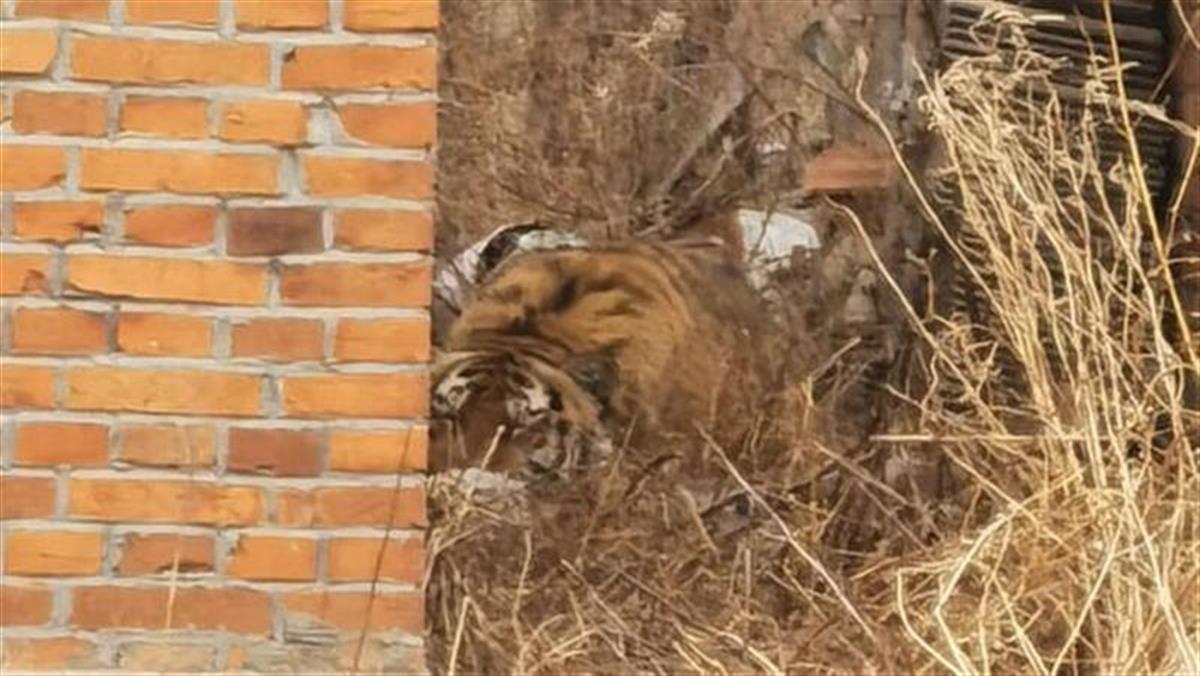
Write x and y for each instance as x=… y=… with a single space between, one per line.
x=58 y=221
x=53 y=552
x=352 y=176
x=382 y=340
x=170 y=225
x=170 y=116
x=58 y=331
x=369 y=506
x=348 y=611
x=164 y=334
x=27 y=387
x=242 y=611
x=361 y=284
x=178 y=171
x=167 y=445
x=24 y=274
x=383 y=230
x=398 y=125
x=162 y=501
x=158 y=553
x=51 y=653
x=273 y=231
x=385 y=452
x=844 y=168
x=24 y=606
x=273 y=558
x=399 y=395
x=76 y=444
x=58 y=113
x=104 y=388
x=279 y=339
x=78 y=10
x=31 y=167
x=168 y=279
x=361 y=67
x=276 y=122
x=196 y=12
x=400 y=559
x=26 y=497
x=275 y=452
x=162 y=657
x=28 y=52
x=386 y=16
x=111 y=59
x=274 y=15
x=294 y=508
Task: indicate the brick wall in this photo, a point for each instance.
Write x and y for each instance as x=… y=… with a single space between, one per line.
x=215 y=280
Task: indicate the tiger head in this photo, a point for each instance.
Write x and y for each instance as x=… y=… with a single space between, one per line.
x=504 y=411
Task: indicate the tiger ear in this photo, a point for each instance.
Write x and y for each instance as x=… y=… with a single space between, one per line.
x=596 y=373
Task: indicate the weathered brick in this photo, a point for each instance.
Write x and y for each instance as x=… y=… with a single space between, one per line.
x=104 y=388
x=383 y=340
x=398 y=125
x=350 y=506
x=27 y=52
x=166 y=657
x=295 y=508
x=276 y=122
x=52 y=653
x=167 y=445
x=58 y=331
x=369 y=506
x=385 y=452
x=53 y=552
x=170 y=224
x=162 y=501
x=348 y=611
x=361 y=284
x=24 y=274
x=352 y=176
x=274 y=15
x=156 y=334
x=24 y=606
x=27 y=387
x=171 y=116
x=399 y=395
x=78 y=10
x=275 y=452
x=168 y=279
x=196 y=12
x=273 y=558
x=361 y=67
x=31 y=167
x=158 y=553
x=26 y=497
x=242 y=611
x=390 y=15
x=75 y=444
x=178 y=171
x=400 y=559
x=112 y=59
x=279 y=339
x=383 y=230
x=58 y=221
x=849 y=167
x=58 y=113
x=274 y=230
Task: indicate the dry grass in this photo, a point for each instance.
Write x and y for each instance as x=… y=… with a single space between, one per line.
x=1033 y=506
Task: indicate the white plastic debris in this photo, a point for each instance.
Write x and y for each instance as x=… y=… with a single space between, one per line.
x=770 y=238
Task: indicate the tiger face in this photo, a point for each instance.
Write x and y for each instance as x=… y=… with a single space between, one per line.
x=509 y=413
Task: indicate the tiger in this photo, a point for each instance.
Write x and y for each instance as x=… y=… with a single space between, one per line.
x=565 y=355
